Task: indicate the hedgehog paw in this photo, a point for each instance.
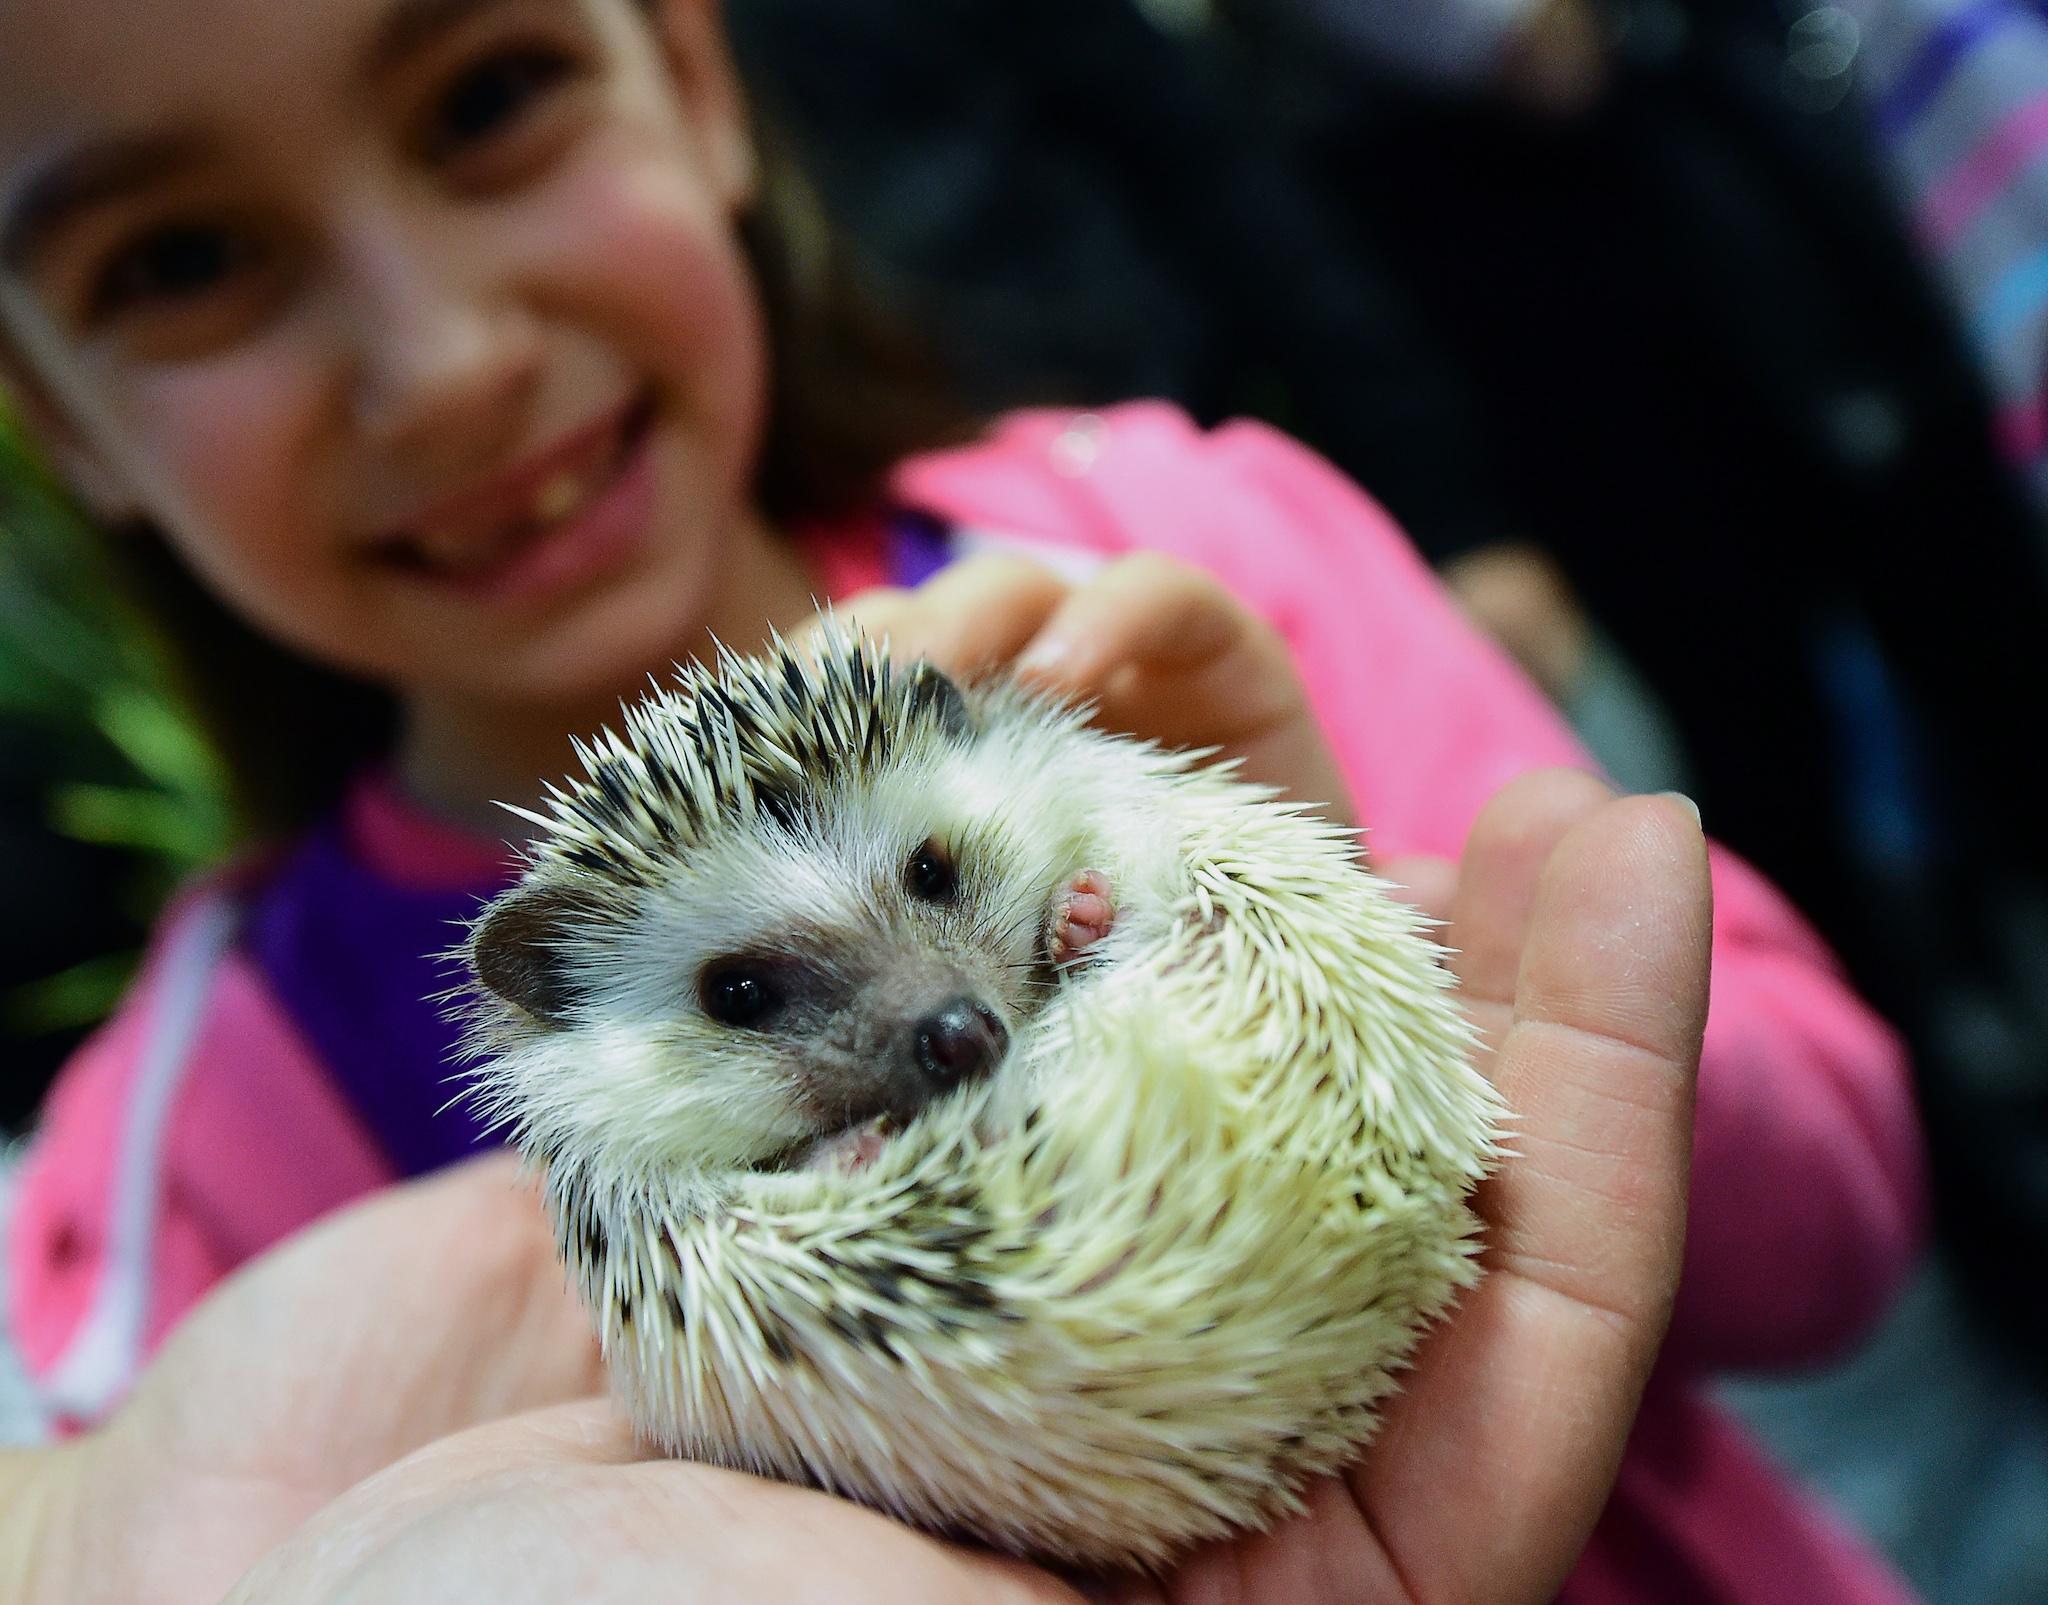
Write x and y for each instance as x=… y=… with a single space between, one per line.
x=1081 y=917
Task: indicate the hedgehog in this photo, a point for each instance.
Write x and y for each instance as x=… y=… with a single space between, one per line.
x=1045 y=1137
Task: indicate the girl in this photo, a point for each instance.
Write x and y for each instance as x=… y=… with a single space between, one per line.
x=445 y=366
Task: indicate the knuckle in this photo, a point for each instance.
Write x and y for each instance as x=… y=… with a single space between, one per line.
x=1005 y=570
x=1159 y=571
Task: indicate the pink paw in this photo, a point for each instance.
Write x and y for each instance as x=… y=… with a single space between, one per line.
x=1082 y=916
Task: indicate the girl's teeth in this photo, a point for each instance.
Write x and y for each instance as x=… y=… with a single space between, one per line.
x=461 y=553
x=558 y=497
x=553 y=501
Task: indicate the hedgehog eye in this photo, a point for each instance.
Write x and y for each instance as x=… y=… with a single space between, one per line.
x=738 y=995
x=930 y=874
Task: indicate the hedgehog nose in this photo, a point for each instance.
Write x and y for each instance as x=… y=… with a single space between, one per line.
x=957 y=1042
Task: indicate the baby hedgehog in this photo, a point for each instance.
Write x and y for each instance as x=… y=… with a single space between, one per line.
x=1021 y=1129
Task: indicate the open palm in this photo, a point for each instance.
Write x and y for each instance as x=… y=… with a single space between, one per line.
x=397 y=1405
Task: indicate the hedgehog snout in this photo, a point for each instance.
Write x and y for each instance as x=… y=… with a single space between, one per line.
x=957 y=1042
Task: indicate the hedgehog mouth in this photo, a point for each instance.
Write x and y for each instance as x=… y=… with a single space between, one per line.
x=845 y=1152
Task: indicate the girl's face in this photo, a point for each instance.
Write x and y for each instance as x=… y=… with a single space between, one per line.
x=419 y=326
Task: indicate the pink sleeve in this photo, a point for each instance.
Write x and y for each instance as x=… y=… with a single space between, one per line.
x=1807 y=1185
x=1809 y=1179
x=189 y=1133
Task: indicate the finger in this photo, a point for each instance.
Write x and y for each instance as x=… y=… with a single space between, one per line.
x=1509 y=844
x=1146 y=612
x=1539 y=1373
x=1425 y=884
x=1600 y=1062
x=1323 y=1555
x=1164 y=650
x=976 y=614
x=872 y=612
x=1161 y=649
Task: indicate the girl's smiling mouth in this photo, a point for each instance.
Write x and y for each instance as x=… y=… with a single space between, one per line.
x=549 y=522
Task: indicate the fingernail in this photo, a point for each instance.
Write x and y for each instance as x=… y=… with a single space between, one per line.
x=1684 y=802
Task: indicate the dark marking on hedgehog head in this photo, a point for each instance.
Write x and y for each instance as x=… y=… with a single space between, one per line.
x=775 y=1336
x=780 y=802
x=936 y=696
x=757 y=737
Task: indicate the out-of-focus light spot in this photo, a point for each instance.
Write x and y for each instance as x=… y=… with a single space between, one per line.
x=1820 y=51
x=1867 y=428
x=1077 y=447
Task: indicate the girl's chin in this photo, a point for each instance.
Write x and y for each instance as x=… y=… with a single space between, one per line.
x=591 y=660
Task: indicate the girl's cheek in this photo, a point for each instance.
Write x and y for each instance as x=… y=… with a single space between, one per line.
x=230 y=458
x=660 y=261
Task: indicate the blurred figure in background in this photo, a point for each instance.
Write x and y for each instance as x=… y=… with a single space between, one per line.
x=1086 y=204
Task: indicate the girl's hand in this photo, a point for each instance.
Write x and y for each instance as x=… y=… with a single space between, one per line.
x=1160 y=647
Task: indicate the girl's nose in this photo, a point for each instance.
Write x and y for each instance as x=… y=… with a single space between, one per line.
x=444 y=371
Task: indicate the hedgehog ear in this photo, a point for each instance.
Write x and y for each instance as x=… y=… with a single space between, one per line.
x=517 y=950
x=934 y=693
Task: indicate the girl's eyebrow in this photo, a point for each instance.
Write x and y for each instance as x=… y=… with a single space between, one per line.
x=411 y=24
x=77 y=180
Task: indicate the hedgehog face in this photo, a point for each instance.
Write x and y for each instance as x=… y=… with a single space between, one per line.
x=819 y=958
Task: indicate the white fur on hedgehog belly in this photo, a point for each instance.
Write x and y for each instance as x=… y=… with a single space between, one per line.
x=1132 y=1293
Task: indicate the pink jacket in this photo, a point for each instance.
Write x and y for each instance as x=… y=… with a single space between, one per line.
x=196 y=1128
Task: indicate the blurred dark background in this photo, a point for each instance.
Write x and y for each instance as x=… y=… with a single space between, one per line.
x=1646 y=319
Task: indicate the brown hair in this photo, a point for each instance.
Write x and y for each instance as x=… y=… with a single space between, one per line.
x=849 y=397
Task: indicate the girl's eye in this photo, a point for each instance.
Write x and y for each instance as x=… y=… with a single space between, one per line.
x=930 y=875
x=738 y=995
x=175 y=264
x=492 y=96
